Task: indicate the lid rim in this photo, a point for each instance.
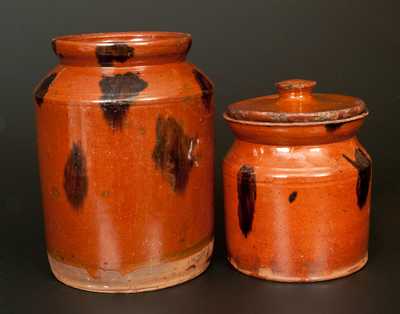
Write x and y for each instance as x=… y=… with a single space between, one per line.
x=361 y=115
x=318 y=107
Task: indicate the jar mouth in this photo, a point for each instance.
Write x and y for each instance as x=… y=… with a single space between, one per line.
x=121 y=48
x=135 y=38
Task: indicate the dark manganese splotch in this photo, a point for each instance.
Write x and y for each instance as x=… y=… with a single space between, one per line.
x=246 y=187
x=43 y=88
x=333 y=126
x=173 y=153
x=106 y=54
x=75 y=176
x=118 y=93
x=292 y=197
x=206 y=88
x=363 y=164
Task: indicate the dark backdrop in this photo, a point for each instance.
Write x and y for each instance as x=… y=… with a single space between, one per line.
x=348 y=46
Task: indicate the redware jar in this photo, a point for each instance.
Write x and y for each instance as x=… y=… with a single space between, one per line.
x=297 y=185
x=126 y=151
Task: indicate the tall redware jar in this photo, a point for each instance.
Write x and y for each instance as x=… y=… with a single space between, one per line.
x=297 y=185
x=126 y=151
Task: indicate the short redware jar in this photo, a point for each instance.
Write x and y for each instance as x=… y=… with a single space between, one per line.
x=297 y=185
x=126 y=152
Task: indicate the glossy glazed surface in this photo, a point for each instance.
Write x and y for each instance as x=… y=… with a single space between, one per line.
x=295 y=102
x=126 y=143
x=297 y=199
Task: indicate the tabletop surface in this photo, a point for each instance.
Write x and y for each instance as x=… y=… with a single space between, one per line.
x=27 y=285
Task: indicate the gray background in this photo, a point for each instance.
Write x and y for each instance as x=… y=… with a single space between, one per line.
x=350 y=47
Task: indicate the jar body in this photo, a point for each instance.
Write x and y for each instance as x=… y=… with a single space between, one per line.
x=127 y=171
x=297 y=202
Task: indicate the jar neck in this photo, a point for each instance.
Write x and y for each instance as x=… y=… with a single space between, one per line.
x=122 y=49
x=280 y=135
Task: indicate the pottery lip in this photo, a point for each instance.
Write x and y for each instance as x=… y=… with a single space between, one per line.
x=251 y=110
x=230 y=119
x=122 y=48
x=132 y=38
x=296 y=102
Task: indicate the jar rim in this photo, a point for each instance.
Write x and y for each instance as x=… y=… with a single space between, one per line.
x=122 y=48
x=135 y=38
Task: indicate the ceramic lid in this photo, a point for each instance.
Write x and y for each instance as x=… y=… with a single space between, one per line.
x=296 y=103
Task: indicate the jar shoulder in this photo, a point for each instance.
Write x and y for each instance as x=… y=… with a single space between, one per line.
x=79 y=85
x=313 y=162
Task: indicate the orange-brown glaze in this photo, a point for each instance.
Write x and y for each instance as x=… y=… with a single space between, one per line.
x=311 y=198
x=108 y=204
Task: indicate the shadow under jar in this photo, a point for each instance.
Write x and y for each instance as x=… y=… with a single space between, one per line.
x=297 y=185
x=126 y=152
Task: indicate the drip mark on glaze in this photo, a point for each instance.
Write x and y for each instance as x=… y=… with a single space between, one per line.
x=331 y=127
x=43 y=88
x=246 y=187
x=363 y=164
x=173 y=153
x=117 y=52
x=75 y=176
x=292 y=197
x=206 y=88
x=118 y=93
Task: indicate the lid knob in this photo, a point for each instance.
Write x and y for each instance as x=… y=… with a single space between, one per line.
x=295 y=88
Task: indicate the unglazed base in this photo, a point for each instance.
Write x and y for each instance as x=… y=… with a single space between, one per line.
x=268 y=274
x=142 y=279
